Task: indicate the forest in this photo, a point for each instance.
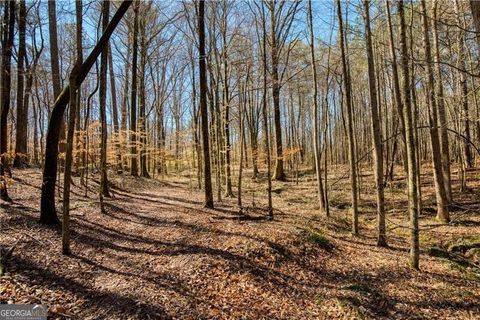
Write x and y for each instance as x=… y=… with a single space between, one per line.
x=240 y=159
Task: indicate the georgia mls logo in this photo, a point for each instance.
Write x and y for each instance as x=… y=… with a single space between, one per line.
x=23 y=312
x=39 y=310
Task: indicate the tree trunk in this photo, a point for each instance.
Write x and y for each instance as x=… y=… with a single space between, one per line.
x=279 y=173
x=71 y=130
x=348 y=104
x=54 y=63
x=376 y=132
x=103 y=109
x=316 y=146
x=142 y=119
x=48 y=214
x=442 y=116
x=116 y=127
x=440 y=191
x=203 y=105
x=410 y=142
x=396 y=86
x=22 y=113
x=266 y=132
x=133 y=106
x=463 y=90
x=7 y=47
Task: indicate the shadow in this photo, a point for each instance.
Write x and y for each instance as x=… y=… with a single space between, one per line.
x=109 y=302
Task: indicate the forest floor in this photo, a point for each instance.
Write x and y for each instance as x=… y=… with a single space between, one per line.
x=157 y=253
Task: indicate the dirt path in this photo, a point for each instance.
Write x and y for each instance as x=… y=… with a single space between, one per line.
x=157 y=254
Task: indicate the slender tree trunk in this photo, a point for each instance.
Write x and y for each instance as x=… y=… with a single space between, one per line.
x=116 y=128
x=241 y=108
x=22 y=114
x=133 y=106
x=316 y=146
x=410 y=141
x=440 y=191
x=54 y=63
x=265 y=118
x=203 y=105
x=279 y=173
x=142 y=119
x=463 y=89
x=396 y=86
x=442 y=117
x=71 y=131
x=68 y=159
x=124 y=107
x=104 y=192
x=348 y=104
x=7 y=47
x=376 y=132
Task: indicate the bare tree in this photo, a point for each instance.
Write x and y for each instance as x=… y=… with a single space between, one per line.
x=316 y=146
x=376 y=131
x=74 y=88
x=410 y=141
x=104 y=192
x=133 y=102
x=22 y=112
x=348 y=103
x=6 y=84
x=203 y=105
x=440 y=191
x=48 y=214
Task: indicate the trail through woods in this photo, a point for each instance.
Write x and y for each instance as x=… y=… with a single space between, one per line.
x=156 y=253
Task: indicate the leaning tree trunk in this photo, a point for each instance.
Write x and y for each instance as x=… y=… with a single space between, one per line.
x=48 y=214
